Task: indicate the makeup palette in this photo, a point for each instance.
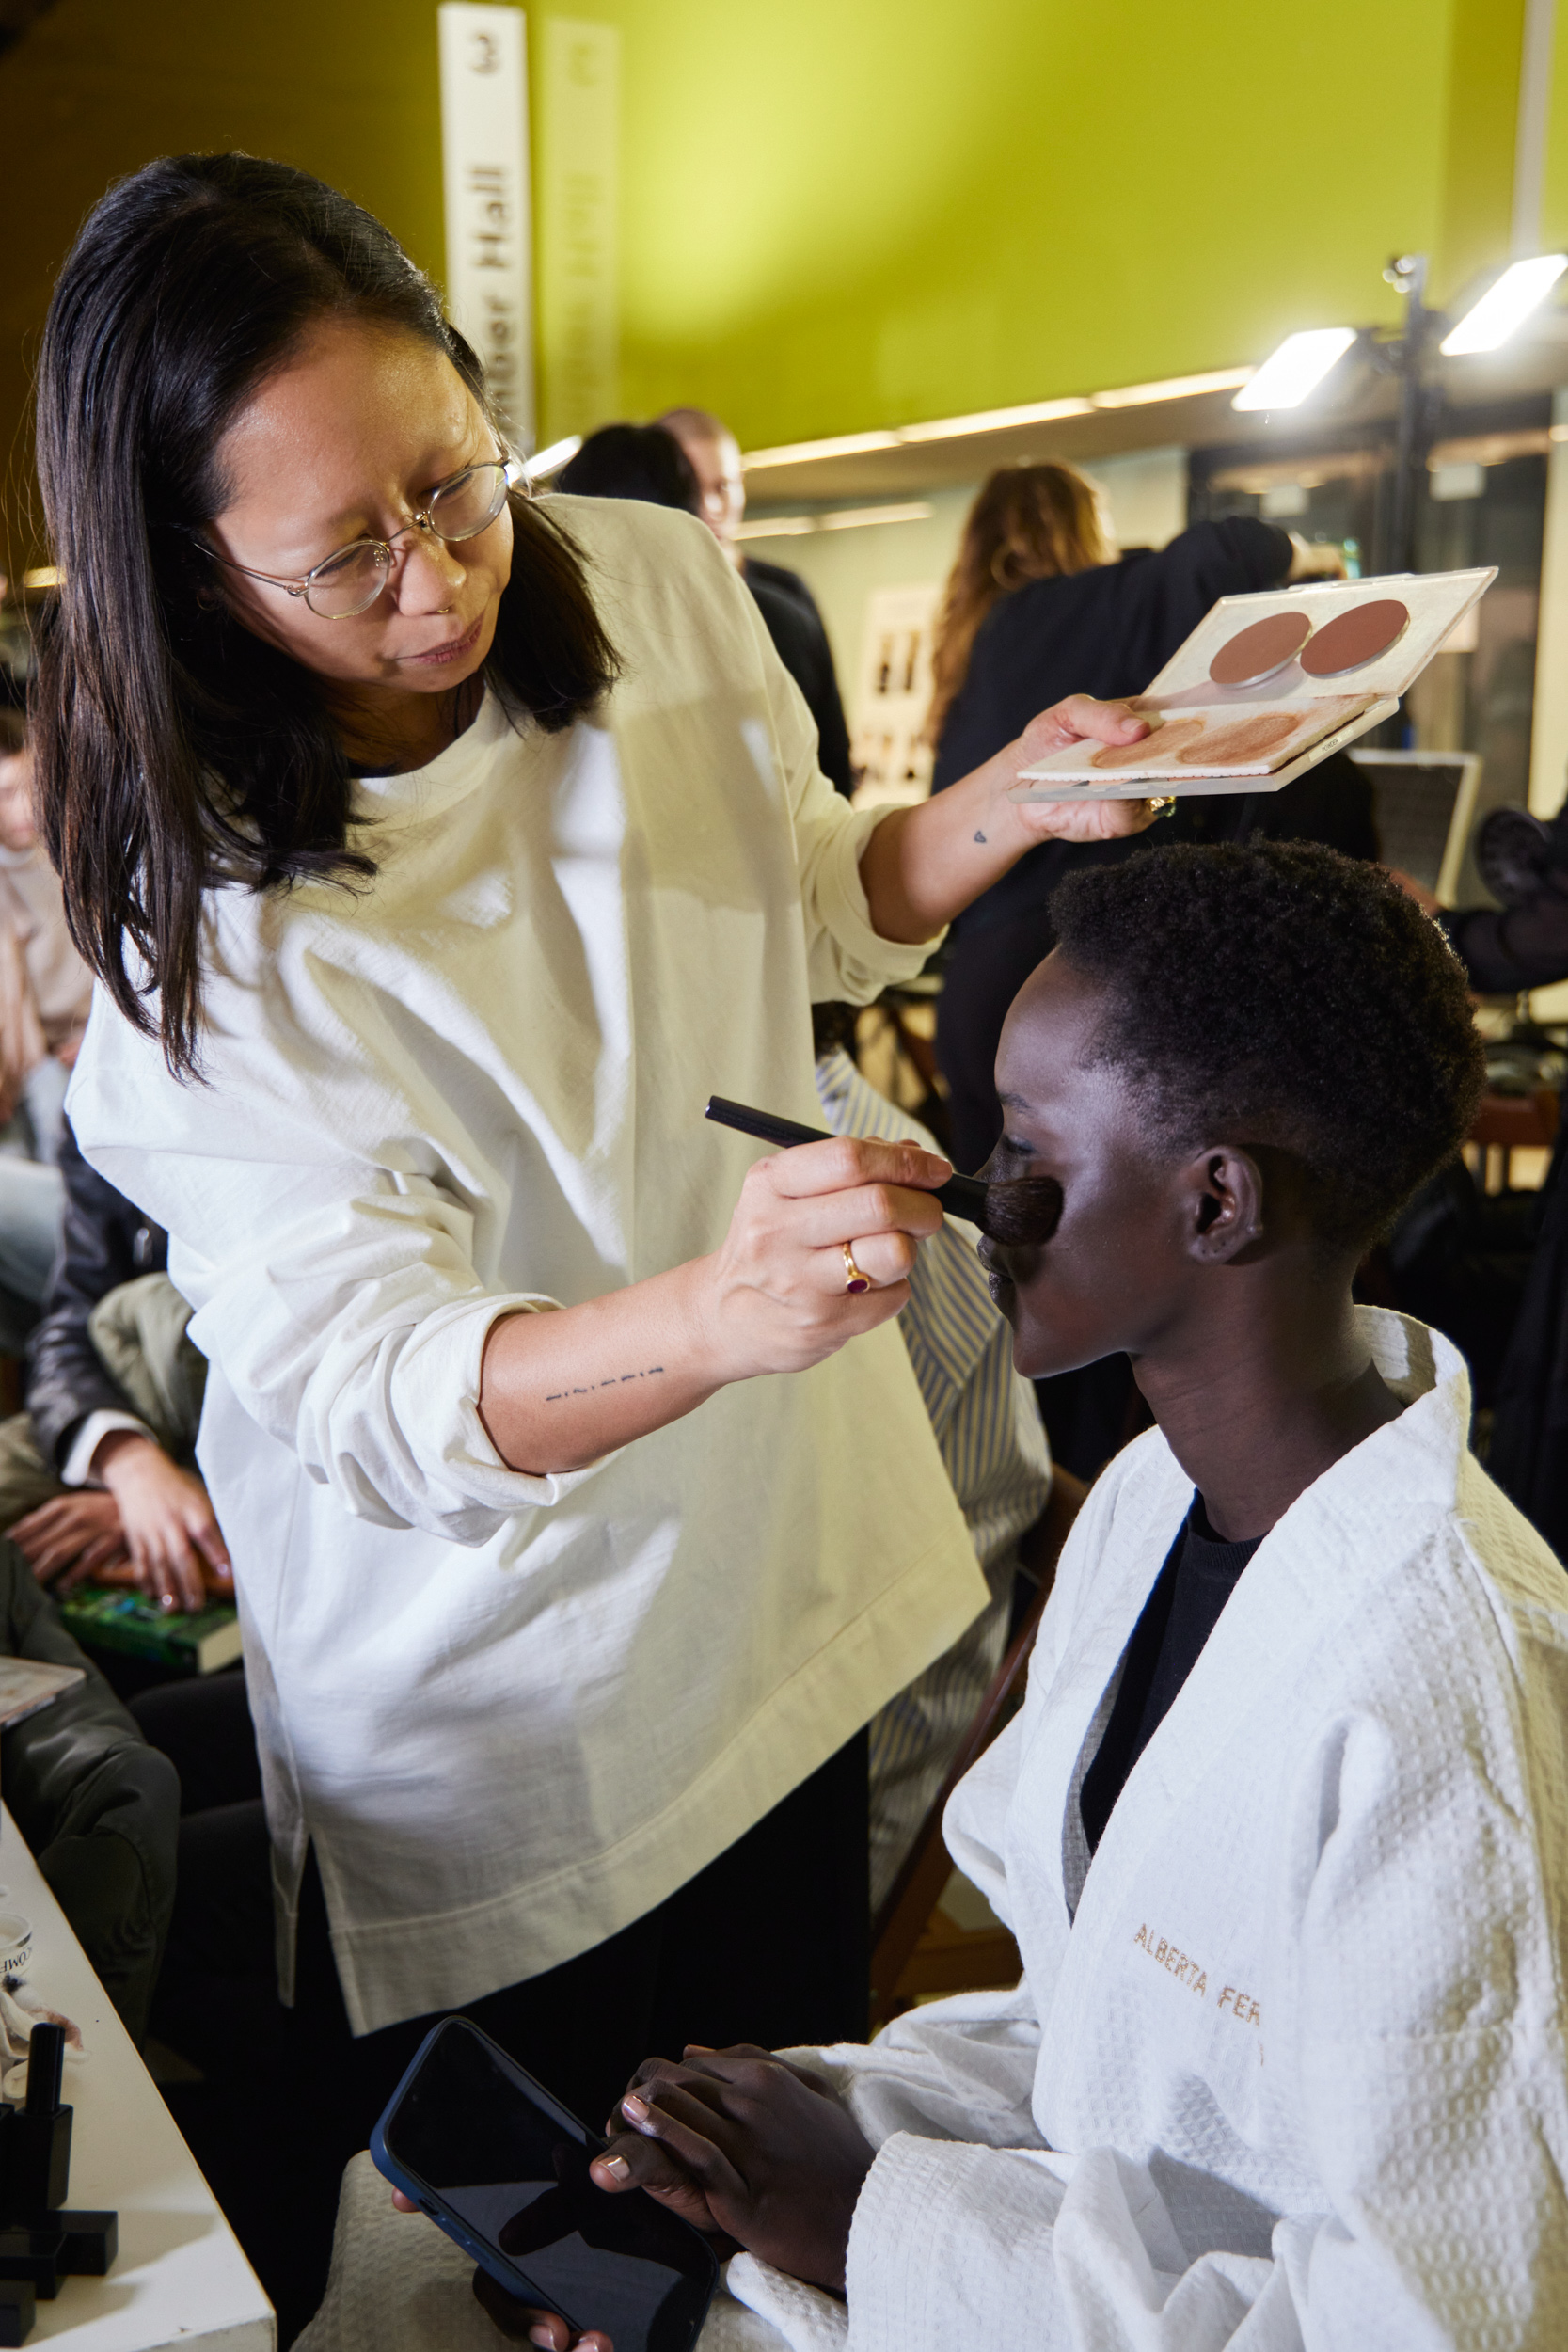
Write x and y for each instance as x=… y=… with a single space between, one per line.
x=1268 y=685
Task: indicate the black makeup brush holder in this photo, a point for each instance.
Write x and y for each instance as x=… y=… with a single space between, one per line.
x=42 y=2239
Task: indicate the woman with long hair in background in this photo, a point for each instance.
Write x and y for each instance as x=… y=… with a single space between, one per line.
x=1037 y=595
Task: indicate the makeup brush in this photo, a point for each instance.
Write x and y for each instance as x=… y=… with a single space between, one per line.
x=1024 y=1211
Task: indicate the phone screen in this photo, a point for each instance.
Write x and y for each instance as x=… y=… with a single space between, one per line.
x=511 y=2164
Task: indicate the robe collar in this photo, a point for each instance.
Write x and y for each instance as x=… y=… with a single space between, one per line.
x=1312 y=1568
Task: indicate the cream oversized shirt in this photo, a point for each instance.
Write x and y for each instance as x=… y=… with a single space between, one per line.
x=514 y=1712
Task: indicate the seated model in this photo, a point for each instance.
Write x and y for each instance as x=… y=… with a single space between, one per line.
x=1280 y=1826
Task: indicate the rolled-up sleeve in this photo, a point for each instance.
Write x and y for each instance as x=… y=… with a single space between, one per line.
x=339 y=1302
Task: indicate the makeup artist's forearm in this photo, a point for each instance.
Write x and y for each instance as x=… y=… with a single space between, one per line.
x=561 y=1389
x=925 y=865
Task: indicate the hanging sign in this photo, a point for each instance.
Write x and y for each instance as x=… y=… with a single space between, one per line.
x=484 y=172
x=580 y=138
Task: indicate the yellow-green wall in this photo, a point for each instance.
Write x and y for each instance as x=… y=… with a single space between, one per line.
x=845 y=213
x=859 y=211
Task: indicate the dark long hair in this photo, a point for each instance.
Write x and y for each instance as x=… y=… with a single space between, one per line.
x=174 y=750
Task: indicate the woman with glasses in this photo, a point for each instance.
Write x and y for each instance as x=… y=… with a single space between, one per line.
x=439 y=853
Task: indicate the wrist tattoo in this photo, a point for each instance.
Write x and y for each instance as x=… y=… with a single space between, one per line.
x=558 y=1396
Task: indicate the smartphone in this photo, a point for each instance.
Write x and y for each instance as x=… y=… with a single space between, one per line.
x=502 y=2168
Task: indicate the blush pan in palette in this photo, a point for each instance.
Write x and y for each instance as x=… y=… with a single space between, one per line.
x=1260 y=650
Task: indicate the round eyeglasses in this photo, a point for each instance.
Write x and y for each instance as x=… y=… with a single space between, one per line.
x=351 y=581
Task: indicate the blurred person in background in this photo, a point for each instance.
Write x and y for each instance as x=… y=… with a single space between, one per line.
x=786 y=602
x=16 y=650
x=97 y=1480
x=1038 y=594
x=631 y=461
x=1491 y=1272
x=45 y=996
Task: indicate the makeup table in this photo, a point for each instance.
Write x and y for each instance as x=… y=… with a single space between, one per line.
x=180 y=2278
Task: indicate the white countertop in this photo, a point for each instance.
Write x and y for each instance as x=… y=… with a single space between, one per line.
x=180 y=2276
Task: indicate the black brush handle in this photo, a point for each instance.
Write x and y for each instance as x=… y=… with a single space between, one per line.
x=45 y=2068
x=961 y=1195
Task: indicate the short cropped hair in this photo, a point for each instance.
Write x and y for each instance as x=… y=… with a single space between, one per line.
x=1280 y=994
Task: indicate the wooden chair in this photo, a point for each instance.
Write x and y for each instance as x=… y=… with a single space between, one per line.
x=915 y=1948
x=1506 y=1124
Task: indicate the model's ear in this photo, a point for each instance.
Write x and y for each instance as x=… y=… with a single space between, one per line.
x=1224 y=1204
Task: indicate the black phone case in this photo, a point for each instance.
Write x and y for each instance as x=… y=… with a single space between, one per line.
x=490 y=2258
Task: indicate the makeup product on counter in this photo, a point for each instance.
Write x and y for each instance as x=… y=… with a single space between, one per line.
x=88 y=2241
x=31 y=2257
x=39 y=2170
x=1025 y=1210
x=1268 y=685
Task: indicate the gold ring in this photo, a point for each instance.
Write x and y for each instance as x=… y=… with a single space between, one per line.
x=853 y=1278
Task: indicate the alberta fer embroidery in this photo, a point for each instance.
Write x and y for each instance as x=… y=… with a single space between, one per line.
x=1241 y=2006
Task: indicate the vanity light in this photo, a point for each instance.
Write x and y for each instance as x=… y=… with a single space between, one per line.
x=1295 y=369
x=1504 y=305
x=545 y=462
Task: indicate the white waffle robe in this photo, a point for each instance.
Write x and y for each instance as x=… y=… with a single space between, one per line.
x=514 y=1713
x=1286 y=2070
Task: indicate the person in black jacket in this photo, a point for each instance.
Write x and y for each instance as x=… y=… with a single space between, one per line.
x=97 y=1806
x=785 y=601
x=1052 y=606
x=647 y=461
x=97 y=1479
x=1494 y=1274
x=1035 y=598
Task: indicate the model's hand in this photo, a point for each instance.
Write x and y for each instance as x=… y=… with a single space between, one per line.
x=777 y=1296
x=69 y=1541
x=738 y=2141
x=170 y=1532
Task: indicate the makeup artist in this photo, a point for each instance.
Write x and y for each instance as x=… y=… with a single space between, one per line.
x=439 y=853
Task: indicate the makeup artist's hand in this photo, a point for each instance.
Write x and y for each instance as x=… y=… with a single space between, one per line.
x=776 y=1294
x=738 y=2142
x=561 y=1389
x=923 y=866
x=1079 y=719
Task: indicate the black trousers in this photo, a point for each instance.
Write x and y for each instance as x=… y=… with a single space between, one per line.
x=770 y=1943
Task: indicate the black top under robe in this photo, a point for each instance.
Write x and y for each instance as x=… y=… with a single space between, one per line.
x=1198 y=1578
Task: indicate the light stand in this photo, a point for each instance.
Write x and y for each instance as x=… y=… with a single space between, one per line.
x=1405 y=356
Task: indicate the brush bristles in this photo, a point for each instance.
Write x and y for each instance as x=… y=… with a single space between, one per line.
x=1024 y=1213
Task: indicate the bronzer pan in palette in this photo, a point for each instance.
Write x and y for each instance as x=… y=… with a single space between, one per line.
x=1352 y=639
